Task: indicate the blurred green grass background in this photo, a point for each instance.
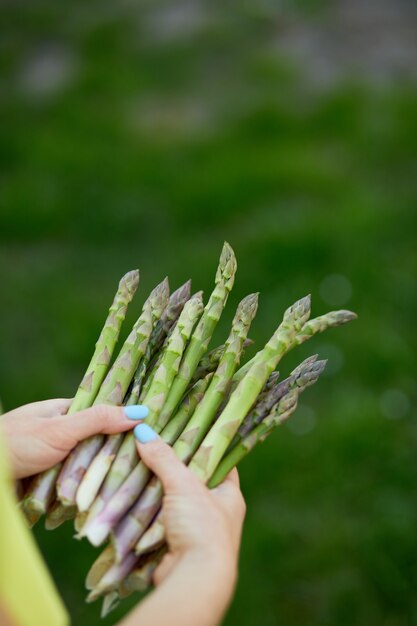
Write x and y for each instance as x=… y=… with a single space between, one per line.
x=143 y=135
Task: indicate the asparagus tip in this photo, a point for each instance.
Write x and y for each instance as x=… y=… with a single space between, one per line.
x=183 y=293
x=299 y=312
x=348 y=315
x=160 y=294
x=343 y=316
x=130 y=282
x=304 y=364
x=310 y=373
x=247 y=308
x=227 y=263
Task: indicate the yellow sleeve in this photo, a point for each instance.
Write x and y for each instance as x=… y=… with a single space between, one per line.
x=27 y=592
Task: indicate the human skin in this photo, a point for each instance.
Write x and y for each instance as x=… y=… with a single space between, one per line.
x=40 y=434
x=195 y=581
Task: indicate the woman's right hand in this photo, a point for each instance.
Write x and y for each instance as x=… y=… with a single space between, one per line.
x=203 y=526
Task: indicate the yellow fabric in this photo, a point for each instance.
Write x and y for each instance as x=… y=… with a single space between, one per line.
x=27 y=592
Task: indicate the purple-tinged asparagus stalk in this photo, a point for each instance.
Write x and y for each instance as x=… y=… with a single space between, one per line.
x=265 y=403
x=162 y=329
x=306 y=374
x=211 y=360
x=270 y=384
x=112 y=391
x=41 y=491
x=121 y=580
x=114 y=575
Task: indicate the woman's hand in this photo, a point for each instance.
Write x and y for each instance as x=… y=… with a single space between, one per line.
x=202 y=523
x=196 y=578
x=41 y=434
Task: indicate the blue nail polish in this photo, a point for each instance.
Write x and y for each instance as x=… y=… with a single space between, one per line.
x=144 y=433
x=136 y=411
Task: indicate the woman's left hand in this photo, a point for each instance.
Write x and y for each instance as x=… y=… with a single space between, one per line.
x=41 y=434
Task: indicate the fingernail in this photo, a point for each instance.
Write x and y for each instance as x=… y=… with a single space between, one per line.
x=136 y=411
x=144 y=433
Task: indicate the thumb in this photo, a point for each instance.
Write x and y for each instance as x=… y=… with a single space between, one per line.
x=44 y=408
x=159 y=457
x=102 y=419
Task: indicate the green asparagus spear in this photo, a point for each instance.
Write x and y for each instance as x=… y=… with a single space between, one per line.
x=100 y=465
x=41 y=491
x=99 y=363
x=217 y=440
x=200 y=339
x=323 y=322
x=170 y=362
x=123 y=446
x=112 y=391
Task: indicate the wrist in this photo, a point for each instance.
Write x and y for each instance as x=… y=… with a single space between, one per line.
x=198 y=590
x=213 y=566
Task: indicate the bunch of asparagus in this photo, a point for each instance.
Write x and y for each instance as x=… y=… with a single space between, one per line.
x=205 y=404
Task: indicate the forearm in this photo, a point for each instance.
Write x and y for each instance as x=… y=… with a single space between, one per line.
x=197 y=592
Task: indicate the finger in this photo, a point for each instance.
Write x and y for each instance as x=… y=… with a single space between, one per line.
x=57 y=406
x=230 y=484
x=233 y=477
x=102 y=419
x=229 y=492
x=161 y=459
